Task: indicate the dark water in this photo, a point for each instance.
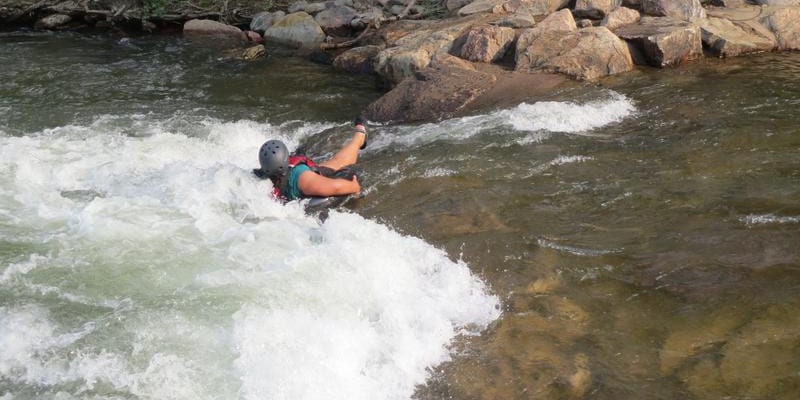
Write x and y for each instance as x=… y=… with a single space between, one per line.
x=655 y=255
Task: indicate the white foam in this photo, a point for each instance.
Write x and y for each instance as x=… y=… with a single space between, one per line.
x=181 y=278
x=537 y=121
x=569 y=117
x=769 y=219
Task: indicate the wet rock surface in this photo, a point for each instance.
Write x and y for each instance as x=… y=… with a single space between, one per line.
x=434 y=92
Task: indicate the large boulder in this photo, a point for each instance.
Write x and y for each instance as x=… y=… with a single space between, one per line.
x=561 y=21
x=664 y=41
x=415 y=51
x=685 y=10
x=730 y=39
x=297 y=29
x=206 y=28
x=264 y=20
x=785 y=24
x=622 y=16
x=359 y=60
x=438 y=91
x=594 y=9
x=335 y=20
x=487 y=43
x=589 y=53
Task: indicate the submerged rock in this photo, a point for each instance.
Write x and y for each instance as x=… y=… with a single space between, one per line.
x=487 y=43
x=297 y=30
x=685 y=10
x=254 y=52
x=730 y=39
x=664 y=41
x=587 y=54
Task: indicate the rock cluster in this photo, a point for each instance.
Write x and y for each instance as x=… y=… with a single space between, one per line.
x=581 y=39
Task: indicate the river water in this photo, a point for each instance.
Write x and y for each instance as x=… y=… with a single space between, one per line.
x=635 y=239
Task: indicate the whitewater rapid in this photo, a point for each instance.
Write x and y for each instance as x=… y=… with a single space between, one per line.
x=155 y=265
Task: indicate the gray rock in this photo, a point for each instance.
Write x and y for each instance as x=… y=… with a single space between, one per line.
x=664 y=41
x=335 y=20
x=730 y=39
x=298 y=30
x=359 y=60
x=595 y=9
x=584 y=23
x=297 y=6
x=518 y=20
x=199 y=28
x=587 y=54
x=53 y=21
x=264 y=20
x=436 y=92
x=487 y=43
x=685 y=10
x=314 y=8
x=784 y=24
x=621 y=16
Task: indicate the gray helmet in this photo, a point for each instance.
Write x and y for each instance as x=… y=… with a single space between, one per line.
x=274 y=158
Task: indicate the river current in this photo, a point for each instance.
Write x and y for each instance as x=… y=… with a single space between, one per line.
x=634 y=239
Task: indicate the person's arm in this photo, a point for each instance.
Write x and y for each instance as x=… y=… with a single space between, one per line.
x=313 y=184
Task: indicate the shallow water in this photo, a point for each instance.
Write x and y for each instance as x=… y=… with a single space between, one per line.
x=637 y=239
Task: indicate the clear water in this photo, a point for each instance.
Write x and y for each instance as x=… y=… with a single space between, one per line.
x=634 y=240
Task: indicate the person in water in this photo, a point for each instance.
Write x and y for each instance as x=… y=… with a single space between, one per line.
x=296 y=176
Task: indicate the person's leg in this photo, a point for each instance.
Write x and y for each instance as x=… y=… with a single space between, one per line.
x=348 y=154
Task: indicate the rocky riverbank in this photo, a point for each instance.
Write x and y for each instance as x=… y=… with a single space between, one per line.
x=443 y=59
